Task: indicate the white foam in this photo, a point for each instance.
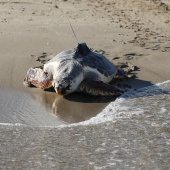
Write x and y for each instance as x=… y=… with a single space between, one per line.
x=12 y=124
x=134 y=103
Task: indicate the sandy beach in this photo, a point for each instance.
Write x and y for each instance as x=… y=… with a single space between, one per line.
x=134 y=32
x=123 y=31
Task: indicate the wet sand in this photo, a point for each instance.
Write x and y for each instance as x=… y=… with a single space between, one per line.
x=130 y=31
x=30 y=29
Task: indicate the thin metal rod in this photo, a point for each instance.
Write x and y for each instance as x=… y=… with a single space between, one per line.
x=73 y=32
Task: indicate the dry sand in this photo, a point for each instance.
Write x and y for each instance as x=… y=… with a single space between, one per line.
x=130 y=31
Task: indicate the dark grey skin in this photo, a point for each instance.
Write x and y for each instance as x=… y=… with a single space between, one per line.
x=78 y=69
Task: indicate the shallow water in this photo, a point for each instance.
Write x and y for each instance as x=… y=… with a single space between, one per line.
x=20 y=107
x=133 y=132
x=149 y=101
x=39 y=108
x=73 y=108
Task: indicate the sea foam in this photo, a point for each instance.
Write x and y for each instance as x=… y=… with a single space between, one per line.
x=154 y=99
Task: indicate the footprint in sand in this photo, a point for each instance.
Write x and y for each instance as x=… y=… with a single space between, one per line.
x=115 y=58
x=43 y=57
x=130 y=56
x=129 y=69
x=166 y=49
x=4 y=20
x=156 y=47
x=101 y=52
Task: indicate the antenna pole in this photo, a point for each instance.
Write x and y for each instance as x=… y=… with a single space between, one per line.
x=73 y=32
